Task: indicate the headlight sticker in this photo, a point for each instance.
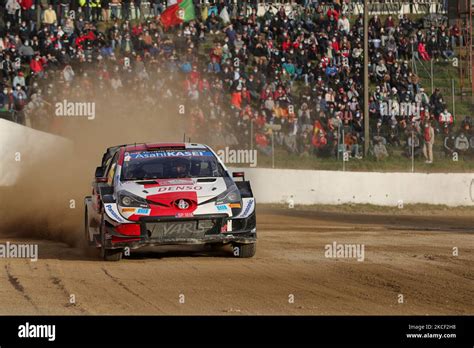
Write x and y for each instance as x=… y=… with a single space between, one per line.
x=111 y=210
x=143 y=211
x=222 y=207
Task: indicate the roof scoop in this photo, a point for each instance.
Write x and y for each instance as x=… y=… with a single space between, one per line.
x=149 y=182
x=207 y=180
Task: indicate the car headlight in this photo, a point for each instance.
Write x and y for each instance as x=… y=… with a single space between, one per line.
x=231 y=195
x=127 y=199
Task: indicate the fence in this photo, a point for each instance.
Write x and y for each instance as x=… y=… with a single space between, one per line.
x=393 y=7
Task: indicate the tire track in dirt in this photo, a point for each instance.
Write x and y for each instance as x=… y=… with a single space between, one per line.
x=126 y=288
x=290 y=260
x=59 y=284
x=15 y=282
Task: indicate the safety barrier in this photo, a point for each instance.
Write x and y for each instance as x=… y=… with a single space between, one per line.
x=385 y=189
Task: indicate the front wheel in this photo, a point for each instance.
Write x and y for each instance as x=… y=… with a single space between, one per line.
x=109 y=254
x=244 y=250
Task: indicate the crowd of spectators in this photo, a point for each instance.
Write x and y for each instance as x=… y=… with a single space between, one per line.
x=291 y=77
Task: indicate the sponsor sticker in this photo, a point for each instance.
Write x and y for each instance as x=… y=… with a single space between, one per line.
x=222 y=207
x=128 y=210
x=235 y=205
x=113 y=213
x=184 y=215
x=249 y=206
x=143 y=211
x=179 y=188
x=162 y=154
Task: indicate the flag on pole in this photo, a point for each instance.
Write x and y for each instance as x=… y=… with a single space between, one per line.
x=225 y=15
x=182 y=11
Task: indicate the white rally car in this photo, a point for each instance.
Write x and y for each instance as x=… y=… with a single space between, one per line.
x=167 y=194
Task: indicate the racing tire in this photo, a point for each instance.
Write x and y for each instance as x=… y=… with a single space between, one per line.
x=87 y=246
x=214 y=246
x=109 y=254
x=244 y=251
x=87 y=242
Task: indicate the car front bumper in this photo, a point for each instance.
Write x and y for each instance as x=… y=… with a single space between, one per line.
x=172 y=231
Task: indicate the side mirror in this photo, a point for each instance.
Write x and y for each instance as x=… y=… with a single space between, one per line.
x=99 y=175
x=99 y=172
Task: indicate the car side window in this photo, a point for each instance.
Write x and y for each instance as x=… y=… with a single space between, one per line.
x=111 y=170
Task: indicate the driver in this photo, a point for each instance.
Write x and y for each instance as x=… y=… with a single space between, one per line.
x=181 y=169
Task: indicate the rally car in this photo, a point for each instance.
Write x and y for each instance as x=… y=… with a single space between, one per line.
x=168 y=194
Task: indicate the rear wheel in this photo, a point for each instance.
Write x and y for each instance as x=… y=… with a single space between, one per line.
x=244 y=250
x=87 y=241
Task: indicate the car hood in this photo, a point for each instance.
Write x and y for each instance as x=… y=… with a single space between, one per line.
x=201 y=189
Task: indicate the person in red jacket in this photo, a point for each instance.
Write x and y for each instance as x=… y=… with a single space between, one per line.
x=195 y=75
x=332 y=12
x=286 y=45
x=263 y=144
x=27 y=12
x=36 y=66
x=423 y=52
x=236 y=99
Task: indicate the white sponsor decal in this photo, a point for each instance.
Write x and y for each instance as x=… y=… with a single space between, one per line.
x=248 y=207
x=111 y=209
x=179 y=188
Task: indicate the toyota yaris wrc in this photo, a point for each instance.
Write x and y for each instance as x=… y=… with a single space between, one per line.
x=168 y=194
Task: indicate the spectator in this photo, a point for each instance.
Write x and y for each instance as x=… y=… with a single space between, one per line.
x=413 y=148
x=50 y=16
x=351 y=142
x=380 y=151
x=277 y=71
x=449 y=144
x=446 y=119
x=461 y=143
x=429 y=139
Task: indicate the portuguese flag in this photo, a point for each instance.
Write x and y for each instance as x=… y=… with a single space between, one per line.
x=182 y=11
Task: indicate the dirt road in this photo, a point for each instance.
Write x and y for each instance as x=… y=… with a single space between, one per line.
x=408 y=256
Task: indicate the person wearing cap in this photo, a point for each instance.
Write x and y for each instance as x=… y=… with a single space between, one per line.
x=19 y=80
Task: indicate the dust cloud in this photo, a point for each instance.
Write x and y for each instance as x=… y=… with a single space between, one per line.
x=47 y=200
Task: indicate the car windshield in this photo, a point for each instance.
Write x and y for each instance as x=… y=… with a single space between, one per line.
x=147 y=165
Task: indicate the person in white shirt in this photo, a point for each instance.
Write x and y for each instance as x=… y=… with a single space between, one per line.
x=343 y=24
